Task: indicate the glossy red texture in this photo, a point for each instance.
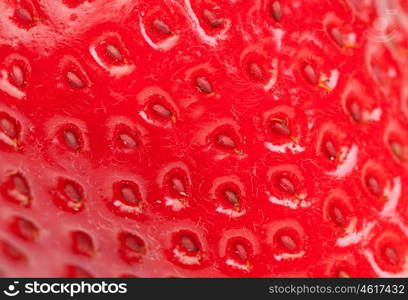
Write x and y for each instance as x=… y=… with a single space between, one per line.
x=203 y=138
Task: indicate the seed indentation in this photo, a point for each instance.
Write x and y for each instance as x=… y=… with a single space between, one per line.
x=132 y=247
x=161 y=27
x=355 y=112
x=276 y=11
x=396 y=149
x=70 y=195
x=232 y=198
x=204 y=85
x=24 y=14
x=391 y=255
x=330 y=150
x=288 y=242
x=241 y=252
x=129 y=195
x=178 y=186
x=134 y=243
x=127 y=140
x=337 y=216
x=337 y=36
x=12 y=252
x=21 y=185
x=9 y=127
x=71 y=140
x=287 y=185
x=74 y=80
x=255 y=71
x=280 y=127
x=114 y=53
x=162 y=111
x=26 y=229
x=189 y=244
x=225 y=141
x=72 y=192
x=17 y=75
x=310 y=74
x=212 y=19
x=82 y=243
x=373 y=186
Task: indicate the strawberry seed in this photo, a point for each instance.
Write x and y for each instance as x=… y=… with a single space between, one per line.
x=212 y=19
x=286 y=185
x=204 y=85
x=114 y=53
x=161 y=27
x=288 y=243
x=17 y=75
x=74 y=80
x=276 y=11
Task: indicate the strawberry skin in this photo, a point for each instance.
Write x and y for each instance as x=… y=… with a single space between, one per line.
x=203 y=138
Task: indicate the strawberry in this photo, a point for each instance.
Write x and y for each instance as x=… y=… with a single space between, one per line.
x=204 y=138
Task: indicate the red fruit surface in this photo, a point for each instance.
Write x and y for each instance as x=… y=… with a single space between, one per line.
x=213 y=138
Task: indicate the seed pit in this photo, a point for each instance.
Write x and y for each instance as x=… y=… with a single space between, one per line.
x=310 y=75
x=288 y=243
x=114 y=53
x=232 y=197
x=69 y=195
x=204 y=85
x=161 y=27
x=329 y=149
x=391 y=255
x=25 y=229
x=255 y=71
x=125 y=138
x=82 y=243
x=71 y=139
x=239 y=250
x=188 y=244
x=12 y=252
x=396 y=149
x=373 y=185
x=129 y=194
x=21 y=185
x=178 y=186
x=9 y=127
x=24 y=14
x=161 y=111
x=280 y=127
x=73 y=192
x=354 y=109
x=276 y=11
x=127 y=141
x=286 y=185
x=132 y=247
x=134 y=243
x=337 y=216
x=337 y=36
x=225 y=141
x=74 y=80
x=17 y=76
x=211 y=18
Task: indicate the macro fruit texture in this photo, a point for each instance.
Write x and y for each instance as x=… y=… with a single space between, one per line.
x=204 y=138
